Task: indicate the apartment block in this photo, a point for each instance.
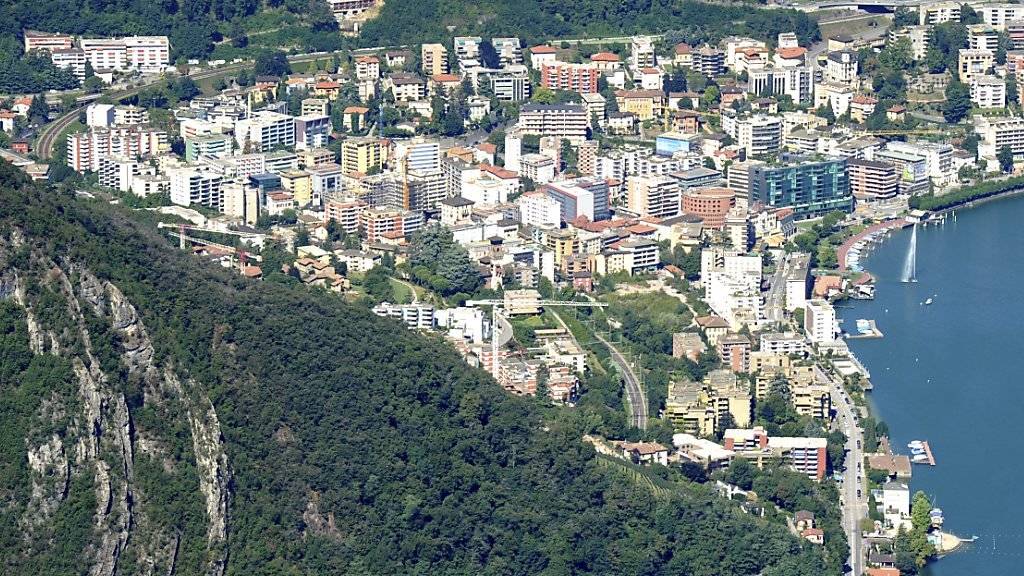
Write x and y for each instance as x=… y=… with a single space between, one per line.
x=562 y=121
x=191 y=185
x=806 y=455
x=362 y=155
x=581 y=78
x=434 y=59
x=657 y=196
x=973 y=63
x=870 y=180
x=820 y=322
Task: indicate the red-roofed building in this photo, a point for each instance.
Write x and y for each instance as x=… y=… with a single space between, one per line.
x=682 y=55
x=543 y=54
x=813 y=535
x=650 y=78
x=862 y=106
x=790 y=56
x=606 y=61
x=327 y=89
x=444 y=84
x=499 y=172
x=367 y=68
x=21 y=105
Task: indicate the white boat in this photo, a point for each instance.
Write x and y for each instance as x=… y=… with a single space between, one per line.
x=916 y=444
x=928 y=302
x=919 y=458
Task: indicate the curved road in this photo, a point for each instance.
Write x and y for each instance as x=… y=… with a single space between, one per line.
x=49 y=133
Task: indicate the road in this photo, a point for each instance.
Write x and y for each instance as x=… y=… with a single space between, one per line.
x=49 y=133
x=775 y=300
x=854 y=505
x=635 y=395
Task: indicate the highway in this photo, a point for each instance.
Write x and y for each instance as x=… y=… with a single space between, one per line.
x=853 y=491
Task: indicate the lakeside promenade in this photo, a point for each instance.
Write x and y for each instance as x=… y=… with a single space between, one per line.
x=844 y=249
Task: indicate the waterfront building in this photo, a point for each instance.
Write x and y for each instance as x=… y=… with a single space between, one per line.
x=820 y=322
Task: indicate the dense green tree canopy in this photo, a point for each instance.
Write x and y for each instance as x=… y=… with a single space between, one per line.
x=355 y=446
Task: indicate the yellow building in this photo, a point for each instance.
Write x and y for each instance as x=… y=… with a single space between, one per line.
x=361 y=155
x=434 y=59
x=646 y=104
x=767 y=367
x=563 y=243
x=300 y=184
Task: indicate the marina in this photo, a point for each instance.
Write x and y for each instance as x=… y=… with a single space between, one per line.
x=921 y=452
x=955 y=388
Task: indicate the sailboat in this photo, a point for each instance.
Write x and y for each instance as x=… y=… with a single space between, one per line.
x=910 y=263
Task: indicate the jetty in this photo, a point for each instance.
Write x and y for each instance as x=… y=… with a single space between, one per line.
x=870 y=331
x=928 y=453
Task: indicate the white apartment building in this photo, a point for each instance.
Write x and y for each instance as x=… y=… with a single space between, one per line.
x=982 y=37
x=148 y=54
x=563 y=121
x=642 y=52
x=419 y=155
x=537 y=167
x=998 y=15
x=820 y=322
x=72 y=59
x=657 y=196
x=85 y=150
x=190 y=185
x=105 y=53
x=988 y=92
x=732 y=284
x=938 y=157
x=117 y=172
x=996 y=133
x=539 y=210
x=919 y=37
x=265 y=130
x=311 y=131
x=759 y=135
x=511 y=84
x=841 y=67
x=513 y=150
x=939 y=12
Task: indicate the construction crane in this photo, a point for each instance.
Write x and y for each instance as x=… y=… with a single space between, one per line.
x=183 y=238
x=496 y=304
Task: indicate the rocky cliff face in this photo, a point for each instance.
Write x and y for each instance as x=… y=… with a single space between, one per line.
x=71 y=313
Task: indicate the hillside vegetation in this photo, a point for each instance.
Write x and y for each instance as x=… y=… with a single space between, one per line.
x=416 y=21
x=162 y=416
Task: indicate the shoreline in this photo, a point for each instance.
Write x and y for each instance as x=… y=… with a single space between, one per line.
x=948 y=543
x=979 y=200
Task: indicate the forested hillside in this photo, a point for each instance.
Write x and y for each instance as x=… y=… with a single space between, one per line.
x=415 y=21
x=162 y=416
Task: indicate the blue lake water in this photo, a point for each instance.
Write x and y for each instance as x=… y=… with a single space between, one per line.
x=952 y=373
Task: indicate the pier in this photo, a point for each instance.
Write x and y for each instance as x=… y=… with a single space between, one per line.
x=928 y=453
x=872 y=332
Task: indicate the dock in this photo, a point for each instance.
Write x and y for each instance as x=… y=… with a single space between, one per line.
x=872 y=332
x=928 y=453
